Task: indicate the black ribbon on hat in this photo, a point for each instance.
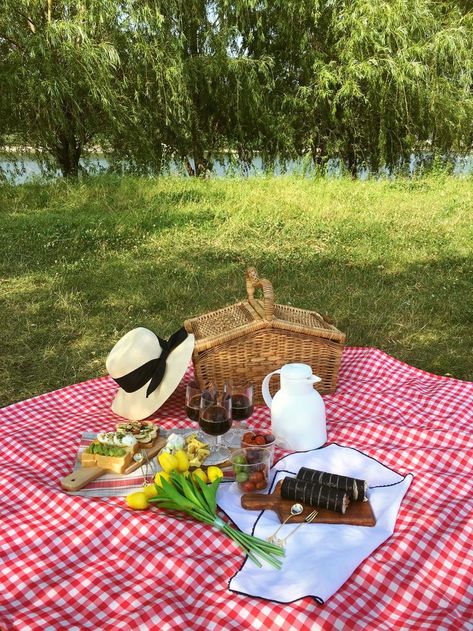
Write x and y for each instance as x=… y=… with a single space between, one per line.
x=154 y=369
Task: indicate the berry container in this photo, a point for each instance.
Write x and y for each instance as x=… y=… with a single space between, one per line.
x=251 y=468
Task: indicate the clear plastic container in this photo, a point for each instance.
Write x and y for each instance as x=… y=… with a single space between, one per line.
x=269 y=442
x=251 y=468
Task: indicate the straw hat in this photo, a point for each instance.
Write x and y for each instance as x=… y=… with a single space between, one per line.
x=148 y=369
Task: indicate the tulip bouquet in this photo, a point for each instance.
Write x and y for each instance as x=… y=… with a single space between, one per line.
x=192 y=496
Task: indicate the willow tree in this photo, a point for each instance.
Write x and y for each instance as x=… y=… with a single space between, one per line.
x=151 y=88
x=190 y=93
x=366 y=81
x=221 y=91
x=403 y=81
x=60 y=74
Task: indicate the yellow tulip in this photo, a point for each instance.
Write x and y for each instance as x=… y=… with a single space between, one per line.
x=150 y=490
x=182 y=461
x=200 y=473
x=159 y=476
x=137 y=501
x=214 y=473
x=168 y=462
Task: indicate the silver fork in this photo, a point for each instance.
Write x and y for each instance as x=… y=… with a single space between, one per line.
x=310 y=518
x=296 y=509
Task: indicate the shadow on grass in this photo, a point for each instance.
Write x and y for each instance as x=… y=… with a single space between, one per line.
x=39 y=241
x=59 y=331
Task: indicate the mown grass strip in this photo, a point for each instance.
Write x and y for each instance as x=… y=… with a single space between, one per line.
x=83 y=263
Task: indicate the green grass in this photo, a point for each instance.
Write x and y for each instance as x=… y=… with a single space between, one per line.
x=82 y=264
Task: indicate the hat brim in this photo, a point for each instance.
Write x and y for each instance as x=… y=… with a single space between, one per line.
x=135 y=406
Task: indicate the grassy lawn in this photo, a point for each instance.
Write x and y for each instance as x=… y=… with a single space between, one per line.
x=82 y=264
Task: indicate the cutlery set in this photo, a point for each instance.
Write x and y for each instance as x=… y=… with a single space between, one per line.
x=296 y=509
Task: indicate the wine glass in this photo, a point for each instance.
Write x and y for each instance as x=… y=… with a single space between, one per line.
x=242 y=401
x=193 y=393
x=215 y=419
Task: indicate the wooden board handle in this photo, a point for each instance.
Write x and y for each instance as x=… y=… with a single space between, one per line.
x=254 y=501
x=80 y=477
x=147 y=453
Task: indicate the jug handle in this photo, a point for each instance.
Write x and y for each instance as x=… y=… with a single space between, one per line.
x=268 y=399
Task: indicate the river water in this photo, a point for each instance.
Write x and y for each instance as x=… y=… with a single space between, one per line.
x=28 y=169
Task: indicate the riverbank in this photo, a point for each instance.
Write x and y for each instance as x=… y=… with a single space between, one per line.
x=24 y=167
x=83 y=263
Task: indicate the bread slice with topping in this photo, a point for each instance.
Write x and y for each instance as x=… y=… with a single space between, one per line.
x=145 y=432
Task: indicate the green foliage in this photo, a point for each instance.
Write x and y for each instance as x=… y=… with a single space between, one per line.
x=193 y=96
x=81 y=264
x=366 y=81
x=192 y=496
x=59 y=68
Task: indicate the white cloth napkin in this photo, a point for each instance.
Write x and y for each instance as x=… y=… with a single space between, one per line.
x=319 y=557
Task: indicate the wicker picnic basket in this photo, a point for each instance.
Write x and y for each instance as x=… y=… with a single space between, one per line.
x=249 y=339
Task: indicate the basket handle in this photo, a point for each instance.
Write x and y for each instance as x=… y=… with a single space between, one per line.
x=253 y=281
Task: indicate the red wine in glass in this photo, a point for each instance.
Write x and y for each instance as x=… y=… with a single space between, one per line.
x=193 y=394
x=242 y=401
x=215 y=420
x=193 y=407
x=242 y=407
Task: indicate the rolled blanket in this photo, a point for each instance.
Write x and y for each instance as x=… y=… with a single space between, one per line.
x=315 y=494
x=356 y=489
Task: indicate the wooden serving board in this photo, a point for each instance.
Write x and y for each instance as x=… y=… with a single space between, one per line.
x=83 y=475
x=357 y=513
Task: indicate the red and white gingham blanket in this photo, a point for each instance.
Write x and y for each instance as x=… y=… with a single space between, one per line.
x=76 y=563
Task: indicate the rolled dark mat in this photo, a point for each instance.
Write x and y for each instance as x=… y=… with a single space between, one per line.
x=356 y=489
x=315 y=494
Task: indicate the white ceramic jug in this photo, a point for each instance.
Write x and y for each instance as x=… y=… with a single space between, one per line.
x=297 y=409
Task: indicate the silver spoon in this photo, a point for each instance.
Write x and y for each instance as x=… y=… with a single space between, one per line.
x=308 y=520
x=143 y=460
x=296 y=509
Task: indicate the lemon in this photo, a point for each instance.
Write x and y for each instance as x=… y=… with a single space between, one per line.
x=200 y=473
x=137 y=501
x=182 y=461
x=150 y=490
x=213 y=473
x=168 y=462
x=159 y=476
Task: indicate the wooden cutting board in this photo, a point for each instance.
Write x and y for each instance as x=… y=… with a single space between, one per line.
x=84 y=475
x=357 y=513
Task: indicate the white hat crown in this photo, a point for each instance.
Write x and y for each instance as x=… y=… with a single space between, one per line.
x=133 y=350
x=148 y=369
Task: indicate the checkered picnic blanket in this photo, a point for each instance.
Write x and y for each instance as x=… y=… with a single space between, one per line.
x=76 y=563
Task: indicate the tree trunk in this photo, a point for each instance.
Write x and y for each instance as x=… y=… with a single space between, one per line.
x=352 y=161
x=245 y=158
x=68 y=152
x=189 y=167
x=201 y=164
x=319 y=155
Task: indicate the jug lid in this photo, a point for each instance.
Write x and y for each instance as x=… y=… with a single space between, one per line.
x=296 y=371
